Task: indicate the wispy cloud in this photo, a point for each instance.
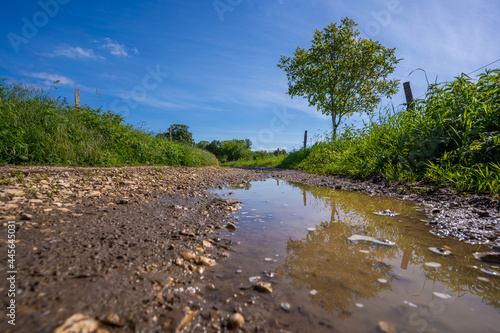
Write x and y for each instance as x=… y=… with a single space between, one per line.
x=75 y=53
x=49 y=78
x=117 y=49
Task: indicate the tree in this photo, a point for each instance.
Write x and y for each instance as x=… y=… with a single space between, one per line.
x=180 y=133
x=341 y=73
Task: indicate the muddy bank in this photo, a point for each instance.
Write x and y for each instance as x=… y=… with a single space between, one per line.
x=130 y=249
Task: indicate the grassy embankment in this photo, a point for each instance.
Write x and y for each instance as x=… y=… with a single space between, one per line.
x=451 y=138
x=36 y=128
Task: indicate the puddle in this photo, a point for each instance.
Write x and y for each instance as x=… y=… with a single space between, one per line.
x=297 y=238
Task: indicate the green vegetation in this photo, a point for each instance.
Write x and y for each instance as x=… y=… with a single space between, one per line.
x=180 y=133
x=261 y=159
x=229 y=150
x=341 y=74
x=452 y=138
x=39 y=129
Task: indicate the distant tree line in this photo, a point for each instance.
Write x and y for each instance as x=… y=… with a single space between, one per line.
x=225 y=151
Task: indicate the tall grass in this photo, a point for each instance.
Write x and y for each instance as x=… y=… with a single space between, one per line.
x=452 y=137
x=39 y=129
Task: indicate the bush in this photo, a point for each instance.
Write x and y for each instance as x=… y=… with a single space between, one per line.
x=39 y=129
x=451 y=137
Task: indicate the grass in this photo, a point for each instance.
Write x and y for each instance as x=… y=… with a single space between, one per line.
x=268 y=161
x=452 y=138
x=39 y=129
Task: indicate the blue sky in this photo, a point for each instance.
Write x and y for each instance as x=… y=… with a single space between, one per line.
x=212 y=64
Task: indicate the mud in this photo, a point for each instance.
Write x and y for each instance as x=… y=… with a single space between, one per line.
x=131 y=249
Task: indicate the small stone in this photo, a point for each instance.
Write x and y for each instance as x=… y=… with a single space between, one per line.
x=490 y=272
x=188 y=256
x=207 y=244
x=123 y=201
x=201 y=260
x=235 y=320
x=442 y=295
x=313 y=292
x=383 y=281
x=359 y=305
x=433 y=264
x=440 y=250
x=188 y=316
x=78 y=323
x=386 y=327
x=488 y=256
x=159 y=298
x=8 y=218
x=231 y=226
x=35 y=201
x=113 y=319
x=254 y=279
x=210 y=286
x=286 y=306
x=26 y=217
x=338 y=187
x=263 y=287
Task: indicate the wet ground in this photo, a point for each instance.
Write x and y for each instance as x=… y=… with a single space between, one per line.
x=349 y=262
x=149 y=249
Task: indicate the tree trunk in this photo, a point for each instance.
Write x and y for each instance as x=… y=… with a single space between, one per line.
x=334 y=123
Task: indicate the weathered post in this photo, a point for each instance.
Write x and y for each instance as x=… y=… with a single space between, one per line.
x=170 y=133
x=305 y=139
x=409 y=96
x=77 y=98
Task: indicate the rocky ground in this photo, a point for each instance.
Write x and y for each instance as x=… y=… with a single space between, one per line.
x=130 y=249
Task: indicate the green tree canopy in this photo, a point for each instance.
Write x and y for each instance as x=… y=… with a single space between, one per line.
x=180 y=133
x=341 y=73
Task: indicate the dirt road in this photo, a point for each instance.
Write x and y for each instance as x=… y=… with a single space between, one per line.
x=130 y=249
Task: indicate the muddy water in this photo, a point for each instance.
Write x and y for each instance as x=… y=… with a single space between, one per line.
x=296 y=237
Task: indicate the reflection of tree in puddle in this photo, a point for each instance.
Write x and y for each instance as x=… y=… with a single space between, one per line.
x=327 y=262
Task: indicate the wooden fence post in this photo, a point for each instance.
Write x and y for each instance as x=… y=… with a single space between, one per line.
x=409 y=96
x=305 y=139
x=77 y=98
x=170 y=133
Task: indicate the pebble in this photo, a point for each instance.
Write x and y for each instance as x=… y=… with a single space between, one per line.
x=313 y=292
x=286 y=306
x=231 y=226
x=26 y=217
x=254 y=279
x=114 y=319
x=263 y=286
x=201 y=260
x=488 y=256
x=386 y=327
x=413 y=305
x=78 y=323
x=440 y=250
x=483 y=279
x=442 y=295
x=433 y=264
x=189 y=256
x=382 y=280
x=235 y=320
x=359 y=305
x=490 y=272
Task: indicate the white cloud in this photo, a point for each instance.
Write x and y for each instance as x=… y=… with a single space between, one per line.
x=49 y=78
x=75 y=53
x=116 y=48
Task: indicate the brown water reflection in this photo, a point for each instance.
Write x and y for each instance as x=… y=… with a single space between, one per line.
x=354 y=284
